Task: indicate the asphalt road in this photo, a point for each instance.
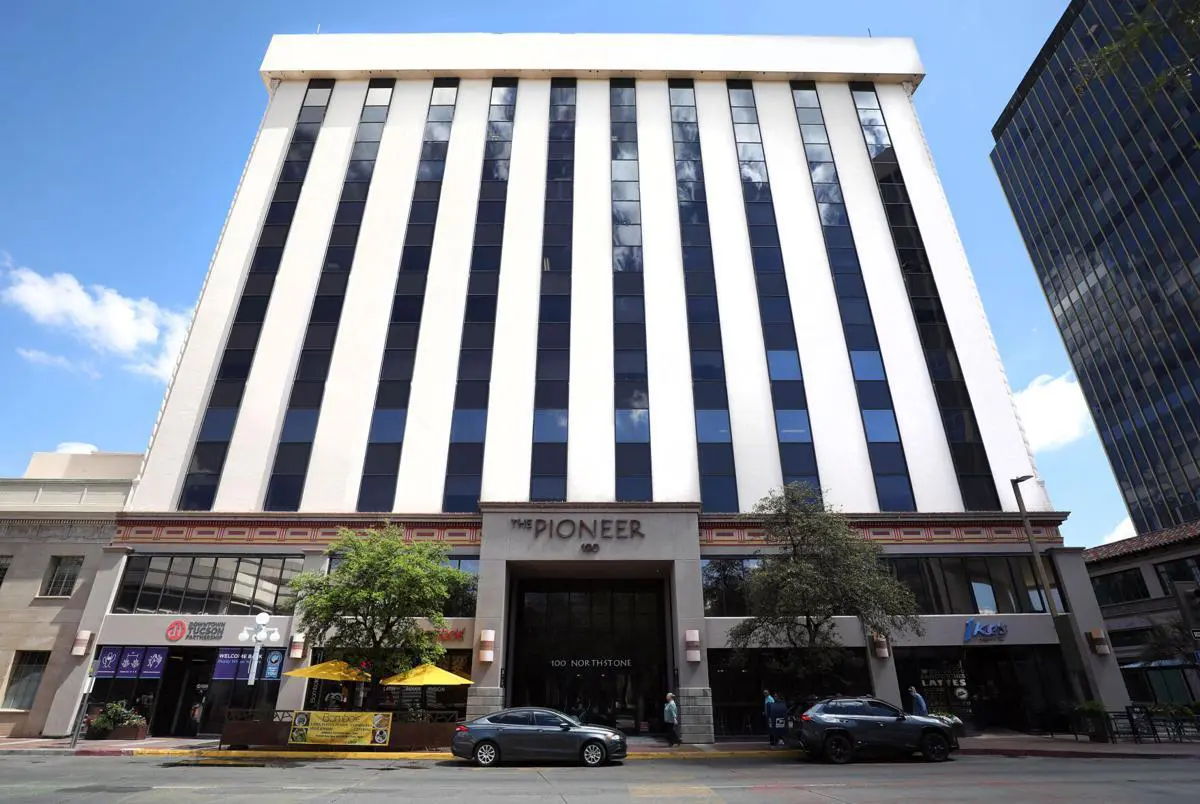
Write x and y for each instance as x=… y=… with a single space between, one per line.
x=739 y=780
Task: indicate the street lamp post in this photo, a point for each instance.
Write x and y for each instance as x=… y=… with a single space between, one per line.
x=1039 y=567
x=260 y=634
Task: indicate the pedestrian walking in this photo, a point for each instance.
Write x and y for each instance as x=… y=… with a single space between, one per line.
x=671 y=719
x=919 y=707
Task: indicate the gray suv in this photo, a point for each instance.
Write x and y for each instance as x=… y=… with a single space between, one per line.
x=839 y=729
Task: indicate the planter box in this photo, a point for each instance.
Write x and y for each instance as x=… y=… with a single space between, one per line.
x=120 y=733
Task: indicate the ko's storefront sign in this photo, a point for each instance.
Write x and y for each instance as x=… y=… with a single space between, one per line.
x=589 y=532
x=199 y=630
x=980 y=631
x=340 y=728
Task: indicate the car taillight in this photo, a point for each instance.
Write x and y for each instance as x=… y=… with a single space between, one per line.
x=460 y=728
x=807 y=718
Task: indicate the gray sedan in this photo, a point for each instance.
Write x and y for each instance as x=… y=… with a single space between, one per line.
x=539 y=735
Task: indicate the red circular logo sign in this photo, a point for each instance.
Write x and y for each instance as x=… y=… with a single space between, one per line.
x=176 y=631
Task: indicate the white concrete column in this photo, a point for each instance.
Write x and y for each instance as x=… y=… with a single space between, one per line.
x=508 y=451
x=340 y=445
x=422 y=478
x=991 y=397
x=930 y=467
x=676 y=472
x=256 y=435
x=182 y=412
x=591 y=448
x=751 y=414
x=833 y=409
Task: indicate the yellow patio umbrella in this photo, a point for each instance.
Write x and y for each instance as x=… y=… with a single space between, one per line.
x=335 y=670
x=427 y=675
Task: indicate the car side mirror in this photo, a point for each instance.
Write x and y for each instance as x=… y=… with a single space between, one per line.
x=901 y=717
x=565 y=726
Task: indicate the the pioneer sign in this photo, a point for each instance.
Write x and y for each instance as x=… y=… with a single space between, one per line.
x=581 y=528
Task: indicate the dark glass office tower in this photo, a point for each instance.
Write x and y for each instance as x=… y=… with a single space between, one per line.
x=1102 y=177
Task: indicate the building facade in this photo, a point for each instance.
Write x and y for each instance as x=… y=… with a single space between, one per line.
x=56 y=522
x=1143 y=584
x=1103 y=179
x=572 y=305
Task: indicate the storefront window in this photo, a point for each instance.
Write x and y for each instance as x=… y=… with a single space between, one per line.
x=207 y=585
x=972 y=585
x=461 y=602
x=724 y=581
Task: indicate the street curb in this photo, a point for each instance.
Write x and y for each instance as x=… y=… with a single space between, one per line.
x=1068 y=753
x=37 y=752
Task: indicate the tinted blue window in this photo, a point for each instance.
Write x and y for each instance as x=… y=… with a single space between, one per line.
x=299 y=425
x=783 y=365
x=867 y=365
x=468 y=426
x=718 y=494
x=633 y=426
x=550 y=426
x=218 y=424
x=387 y=425
x=712 y=427
x=548 y=489
x=895 y=493
x=880 y=425
x=634 y=489
x=792 y=426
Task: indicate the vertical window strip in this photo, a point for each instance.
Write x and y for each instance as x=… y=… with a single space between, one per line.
x=714 y=439
x=797 y=457
x=216 y=429
x=888 y=463
x=548 y=466
x=464 y=465
x=308 y=386
x=970 y=459
x=631 y=390
x=377 y=489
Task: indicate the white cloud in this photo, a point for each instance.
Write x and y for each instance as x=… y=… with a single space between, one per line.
x=1123 y=530
x=1053 y=412
x=41 y=358
x=146 y=335
x=77 y=448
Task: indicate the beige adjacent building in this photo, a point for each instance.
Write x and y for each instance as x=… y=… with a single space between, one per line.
x=55 y=523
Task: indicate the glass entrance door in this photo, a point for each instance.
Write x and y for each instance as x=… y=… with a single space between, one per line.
x=595 y=649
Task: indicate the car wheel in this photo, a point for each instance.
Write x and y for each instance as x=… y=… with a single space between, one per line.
x=935 y=747
x=486 y=755
x=593 y=754
x=838 y=749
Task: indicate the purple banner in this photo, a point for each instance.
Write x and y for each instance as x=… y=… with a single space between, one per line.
x=227 y=664
x=154 y=662
x=131 y=663
x=106 y=662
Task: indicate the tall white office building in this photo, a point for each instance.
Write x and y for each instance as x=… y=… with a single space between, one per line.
x=523 y=291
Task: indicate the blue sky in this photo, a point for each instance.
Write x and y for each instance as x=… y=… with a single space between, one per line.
x=125 y=126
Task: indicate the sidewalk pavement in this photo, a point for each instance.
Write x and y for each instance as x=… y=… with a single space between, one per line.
x=640 y=748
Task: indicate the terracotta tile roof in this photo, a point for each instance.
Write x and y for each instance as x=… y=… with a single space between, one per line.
x=1140 y=544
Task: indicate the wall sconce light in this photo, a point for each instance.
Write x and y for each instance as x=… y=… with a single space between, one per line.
x=297 y=648
x=82 y=640
x=487 y=645
x=880 y=644
x=691 y=645
x=1098 y=641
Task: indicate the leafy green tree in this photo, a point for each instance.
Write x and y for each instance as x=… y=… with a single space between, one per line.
x=376 y=605
x=1161 y=39
x=818 y=568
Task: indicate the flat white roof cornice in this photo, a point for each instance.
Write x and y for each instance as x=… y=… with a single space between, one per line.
x=827 y=58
